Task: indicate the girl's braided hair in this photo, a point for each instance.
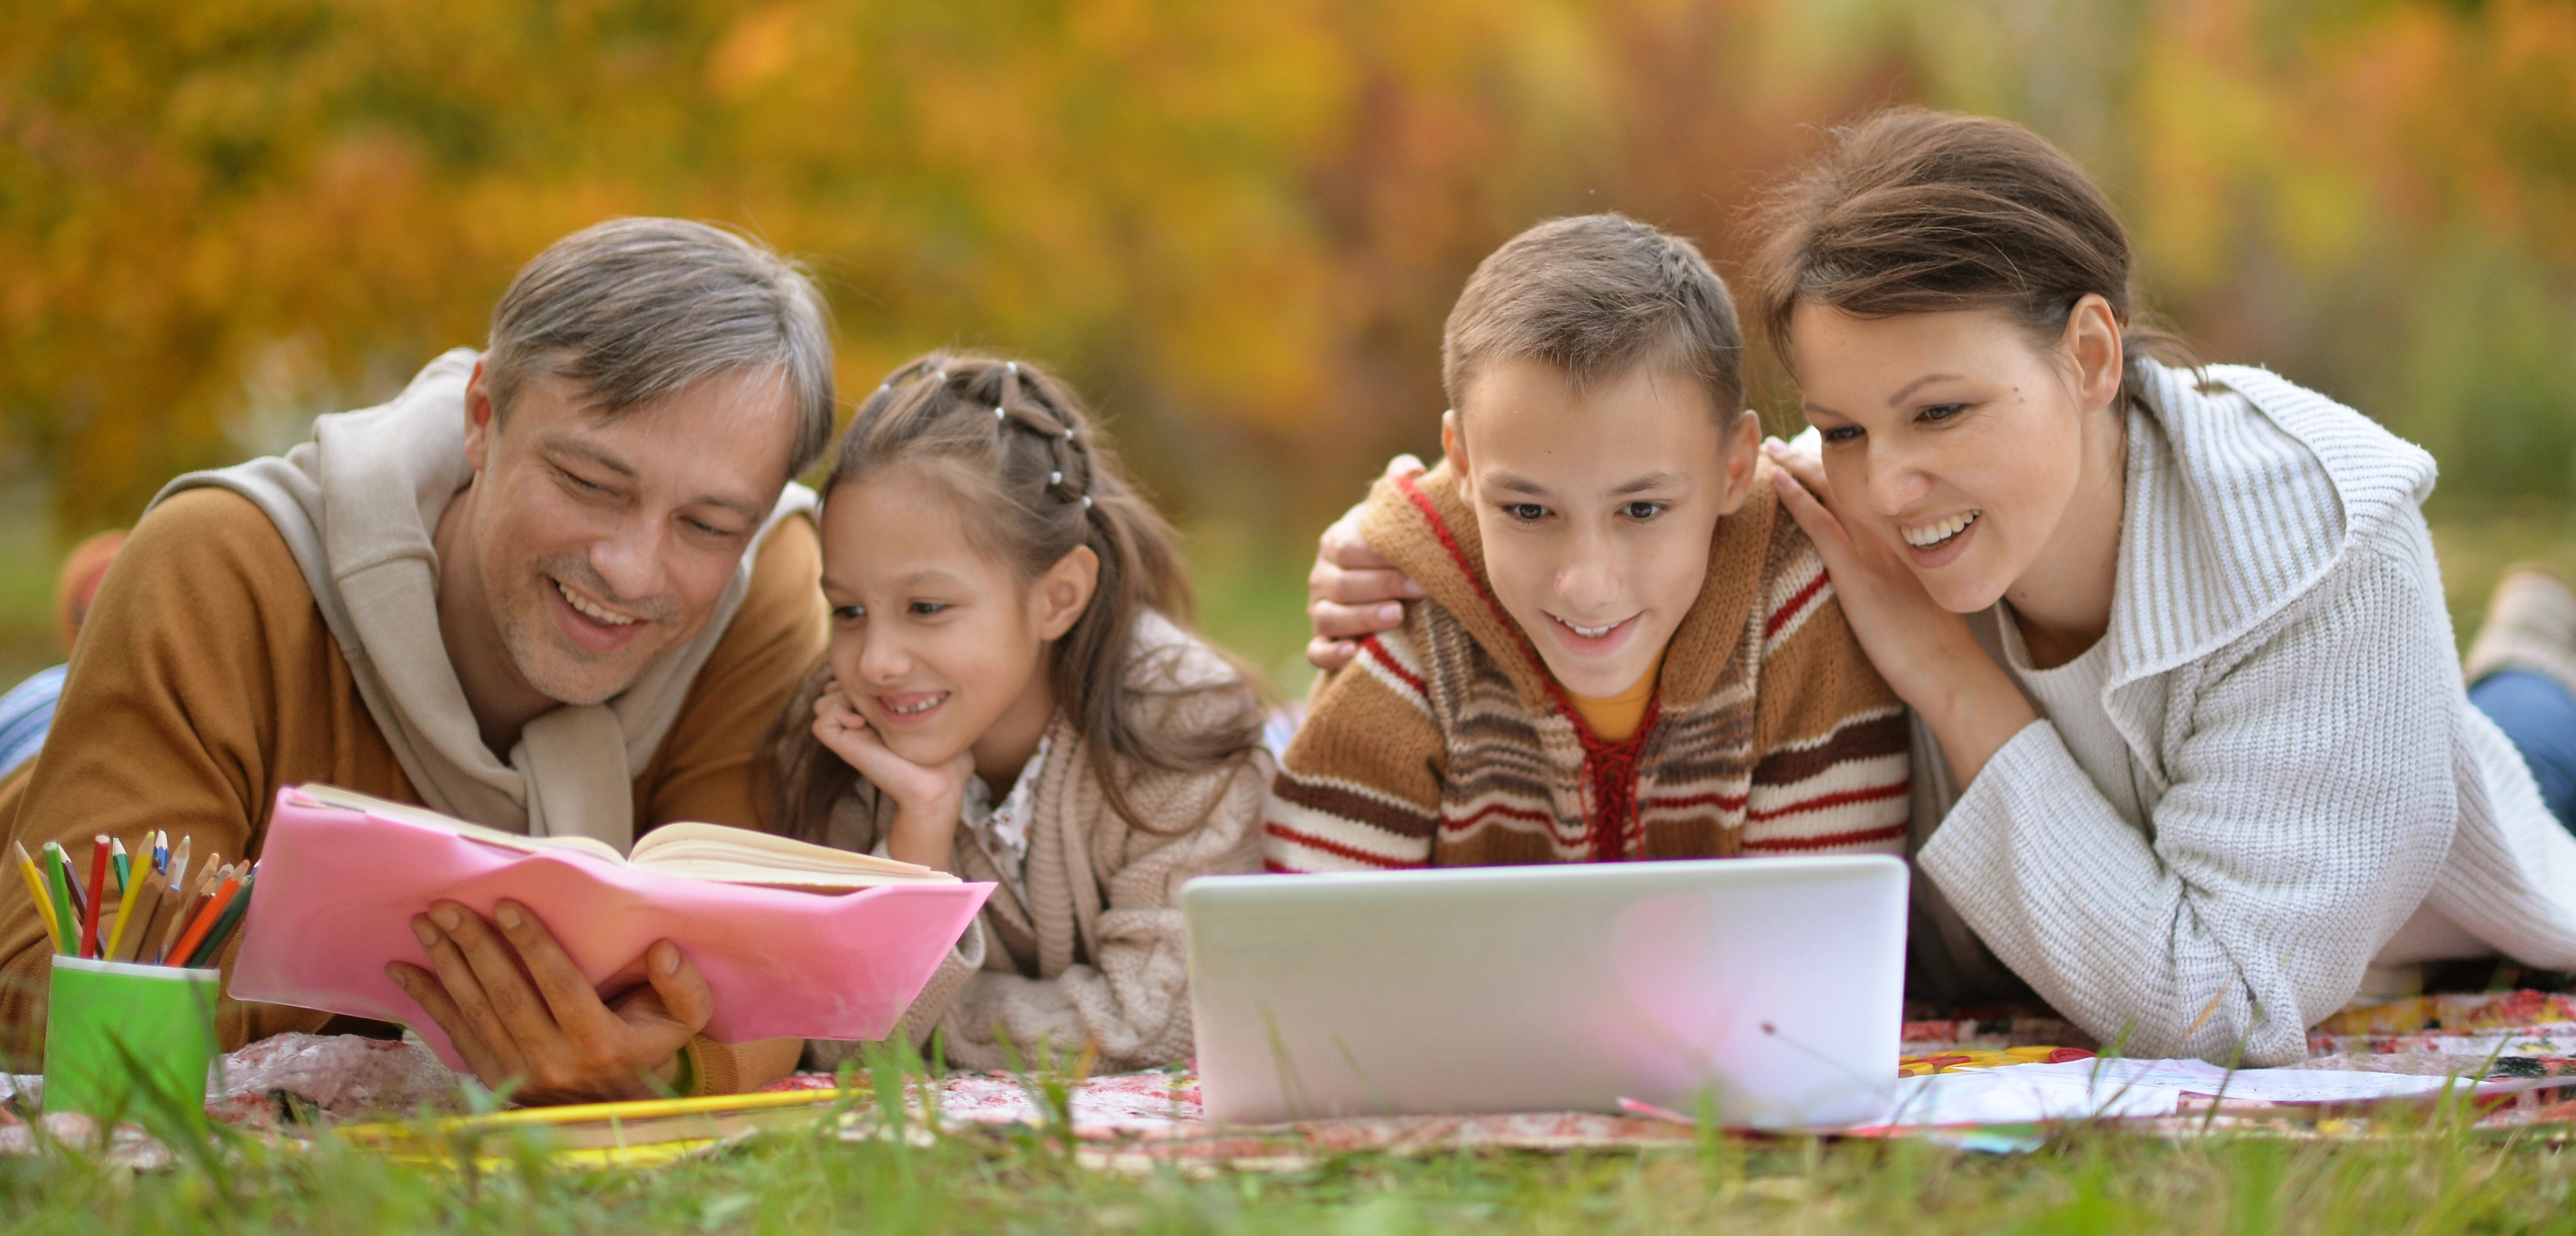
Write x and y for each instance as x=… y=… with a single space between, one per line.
x=1032 y=481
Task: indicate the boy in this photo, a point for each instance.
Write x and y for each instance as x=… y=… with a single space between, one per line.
x=1627 y=650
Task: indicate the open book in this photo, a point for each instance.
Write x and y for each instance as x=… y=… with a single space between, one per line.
x=794 y=939
x=696 y=851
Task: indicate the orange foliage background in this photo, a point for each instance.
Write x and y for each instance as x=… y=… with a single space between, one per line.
x=1238 y=226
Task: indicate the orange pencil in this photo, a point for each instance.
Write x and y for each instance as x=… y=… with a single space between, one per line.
x=98 y=857
x=205 y=919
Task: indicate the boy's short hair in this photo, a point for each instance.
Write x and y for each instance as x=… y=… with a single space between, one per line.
x=1596 y=295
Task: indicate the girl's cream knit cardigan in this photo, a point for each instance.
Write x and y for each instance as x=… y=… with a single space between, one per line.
x=2319 y=793
x=1094 y=955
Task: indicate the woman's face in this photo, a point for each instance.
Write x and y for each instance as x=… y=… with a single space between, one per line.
x=934 y=642
x=1959 y=441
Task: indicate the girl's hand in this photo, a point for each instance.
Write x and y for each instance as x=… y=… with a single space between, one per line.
x=1926 y=653
x=926 y=799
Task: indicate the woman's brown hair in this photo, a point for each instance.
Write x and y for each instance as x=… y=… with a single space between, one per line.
x=1033 y=481
x=1915 y=211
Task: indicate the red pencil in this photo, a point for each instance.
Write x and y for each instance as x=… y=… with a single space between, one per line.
x=98 y=862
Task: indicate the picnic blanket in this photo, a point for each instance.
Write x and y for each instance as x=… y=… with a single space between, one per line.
x=294 y=1085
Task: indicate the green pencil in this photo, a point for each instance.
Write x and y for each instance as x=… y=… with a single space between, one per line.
x=224 y=924
x=58 y=885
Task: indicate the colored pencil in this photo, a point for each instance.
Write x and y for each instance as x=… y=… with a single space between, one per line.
x=202 y=922
x=231 y=917
x=36 y=889
x=58 y=886
x=189 y=903
x=72 y=888
x=64 y=888
x=179 y=864
x=160 y=851
x=124 y=907
x=124 y=865
x=99 y=853
x=157 y=929
x=135 y=925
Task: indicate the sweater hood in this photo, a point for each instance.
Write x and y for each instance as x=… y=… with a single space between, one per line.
x=1423 y=524
x=2243 y=492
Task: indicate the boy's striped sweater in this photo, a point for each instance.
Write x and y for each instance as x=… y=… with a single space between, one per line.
x=1447 y=743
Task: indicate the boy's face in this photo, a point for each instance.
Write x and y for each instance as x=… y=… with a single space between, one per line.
x=1596 y=505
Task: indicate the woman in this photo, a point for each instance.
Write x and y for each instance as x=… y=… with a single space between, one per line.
x=2192 y=751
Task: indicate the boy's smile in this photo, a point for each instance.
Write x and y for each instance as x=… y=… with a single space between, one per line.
x=1596 y=502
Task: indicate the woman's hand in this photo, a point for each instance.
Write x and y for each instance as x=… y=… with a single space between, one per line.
x=926 y=799
x=1926 y=653
x=1353 y=591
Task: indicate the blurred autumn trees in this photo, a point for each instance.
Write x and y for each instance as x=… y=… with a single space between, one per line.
x=1238 y=226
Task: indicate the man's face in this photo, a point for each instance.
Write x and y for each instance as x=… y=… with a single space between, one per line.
x=602 y=543
x=1596 y=504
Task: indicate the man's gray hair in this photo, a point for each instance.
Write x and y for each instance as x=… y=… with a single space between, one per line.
x=637 y=309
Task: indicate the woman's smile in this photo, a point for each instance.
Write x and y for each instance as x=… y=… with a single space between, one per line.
x=1939 y=542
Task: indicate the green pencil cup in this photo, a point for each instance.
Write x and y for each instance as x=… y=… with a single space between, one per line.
x=112 y=1024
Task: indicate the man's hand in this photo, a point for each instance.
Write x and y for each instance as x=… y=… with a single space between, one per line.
x=519 y=1010
x=1353 y=591
x=927 y=801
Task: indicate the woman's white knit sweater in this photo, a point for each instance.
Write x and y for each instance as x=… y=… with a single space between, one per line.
x=2317 y=792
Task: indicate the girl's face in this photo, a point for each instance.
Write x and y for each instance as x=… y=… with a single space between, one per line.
x=1973 y=452
x=936 y=644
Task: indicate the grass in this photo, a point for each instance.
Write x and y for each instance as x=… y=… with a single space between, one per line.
x=2439 y=1179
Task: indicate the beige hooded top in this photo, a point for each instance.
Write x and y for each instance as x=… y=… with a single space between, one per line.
x=1093 y=953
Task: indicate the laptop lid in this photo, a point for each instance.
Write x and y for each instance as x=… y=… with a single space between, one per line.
x=1768 y=991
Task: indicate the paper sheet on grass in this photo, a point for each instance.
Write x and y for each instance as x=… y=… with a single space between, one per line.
x=2119 y=1089
x=2025 y=1094
x=2264 y=1085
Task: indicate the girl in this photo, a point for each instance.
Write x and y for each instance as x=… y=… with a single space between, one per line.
x=1009 y=695
x=2192 y=751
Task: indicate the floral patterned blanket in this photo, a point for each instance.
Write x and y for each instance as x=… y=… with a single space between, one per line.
x=293 y=1084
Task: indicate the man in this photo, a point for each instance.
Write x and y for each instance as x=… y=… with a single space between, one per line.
x=560 y=587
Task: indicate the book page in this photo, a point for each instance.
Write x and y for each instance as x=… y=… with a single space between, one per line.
x=405 y=813
x=747 y=856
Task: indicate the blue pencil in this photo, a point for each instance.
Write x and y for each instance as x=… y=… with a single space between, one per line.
x=161 y=852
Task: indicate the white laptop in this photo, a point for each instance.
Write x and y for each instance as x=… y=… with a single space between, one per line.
x=1765 y=992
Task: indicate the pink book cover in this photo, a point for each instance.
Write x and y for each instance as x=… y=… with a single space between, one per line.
x=337 y=889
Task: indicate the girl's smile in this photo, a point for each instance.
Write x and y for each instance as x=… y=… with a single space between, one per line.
x=909 y=707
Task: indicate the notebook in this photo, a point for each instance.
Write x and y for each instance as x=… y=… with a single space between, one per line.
x=796 y=940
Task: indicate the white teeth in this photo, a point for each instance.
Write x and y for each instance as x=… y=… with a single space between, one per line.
x=1930 y=535
x=922 y=707
x=593 y=612
x=1587 y=632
